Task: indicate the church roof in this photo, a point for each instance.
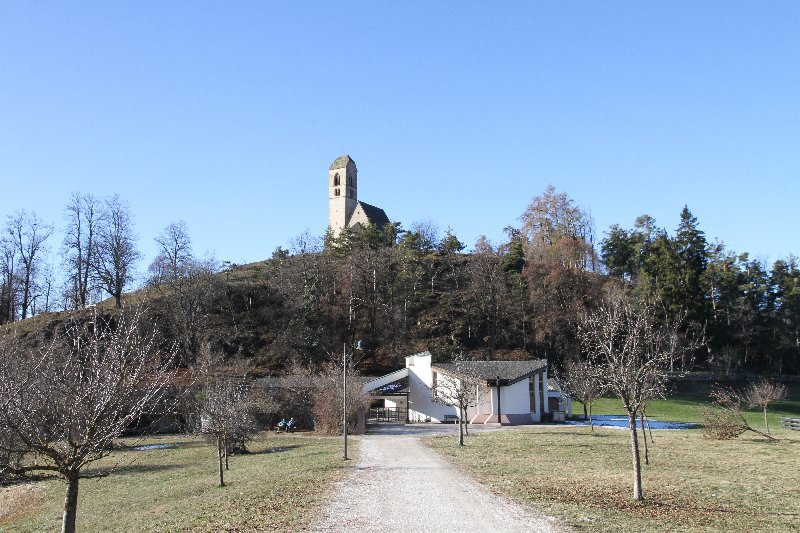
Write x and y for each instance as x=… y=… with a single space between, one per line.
x=376 y=215
x=341 y=162
x=508 y=372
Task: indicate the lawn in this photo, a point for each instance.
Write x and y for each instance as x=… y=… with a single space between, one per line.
x=277 y=487
x=692 y=484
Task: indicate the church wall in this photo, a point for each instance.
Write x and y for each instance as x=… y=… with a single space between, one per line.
x=358 y=217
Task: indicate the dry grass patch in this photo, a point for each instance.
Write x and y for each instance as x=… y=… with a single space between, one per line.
x=16 y=500
x=691 y=484
x=278 y=487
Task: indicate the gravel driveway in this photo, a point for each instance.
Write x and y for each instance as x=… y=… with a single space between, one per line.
x=398 y=484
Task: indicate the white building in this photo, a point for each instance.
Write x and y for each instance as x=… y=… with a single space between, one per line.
x=508 y=392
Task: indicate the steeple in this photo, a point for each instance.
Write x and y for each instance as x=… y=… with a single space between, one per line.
x=342 y=192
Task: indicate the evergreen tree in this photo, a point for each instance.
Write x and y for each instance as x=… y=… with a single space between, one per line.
x=691 y=261
x=618 y=253
x=785 y=297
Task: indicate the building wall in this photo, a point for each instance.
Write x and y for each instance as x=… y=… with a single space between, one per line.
x=395 y=401
x=421 y=406
x=515 y=405
x=483 y=403
x=484 y=395
x=358 y=217
x=515 y=398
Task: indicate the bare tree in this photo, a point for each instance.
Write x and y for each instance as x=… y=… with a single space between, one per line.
x=174 y=255
x=12 y=449
x=487 y=298
x=95 y=380
x=226 y=416
x=584 y=383
x=633 y=354
x=327 y=390
x=8 y=282
x=724 y=420
x=44 y=299
x=224 y=405
x=762 y=393
x=27 y=233
x=294 y=396
x=116 y=248
x=82 y=216
x=188 y=286
x=456 y=391
x=556 y=230
x=186 y=302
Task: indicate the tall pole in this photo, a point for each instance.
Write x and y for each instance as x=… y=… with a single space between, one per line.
x=344 y=399
x=499 y=410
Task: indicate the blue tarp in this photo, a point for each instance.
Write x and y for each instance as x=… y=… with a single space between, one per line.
x=620 y=421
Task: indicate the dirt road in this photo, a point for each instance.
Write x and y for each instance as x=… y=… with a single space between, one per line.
x=400 y=485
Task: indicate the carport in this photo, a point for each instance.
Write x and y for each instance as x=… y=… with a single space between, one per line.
x=389 y=396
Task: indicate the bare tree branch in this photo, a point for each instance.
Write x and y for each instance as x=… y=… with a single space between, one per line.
x=95 y=380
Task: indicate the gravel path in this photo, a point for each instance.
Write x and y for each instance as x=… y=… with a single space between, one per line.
x=400 y=485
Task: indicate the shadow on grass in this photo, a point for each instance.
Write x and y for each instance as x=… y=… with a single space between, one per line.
x=95 y=472
x=757 y=440
x=140 y=446
x=30 y=477
x=701 y=507
x=595 y=438
x=276 y=449
x=134 y=468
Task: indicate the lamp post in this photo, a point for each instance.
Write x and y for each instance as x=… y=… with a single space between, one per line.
x=360 y=347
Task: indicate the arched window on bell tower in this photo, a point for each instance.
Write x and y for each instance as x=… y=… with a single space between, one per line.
x=336 y=192
x=336 y=180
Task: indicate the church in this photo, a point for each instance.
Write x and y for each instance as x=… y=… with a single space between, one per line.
x=344 y=209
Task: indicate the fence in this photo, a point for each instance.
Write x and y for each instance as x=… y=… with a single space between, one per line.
x=790 y=423
x=388 y=414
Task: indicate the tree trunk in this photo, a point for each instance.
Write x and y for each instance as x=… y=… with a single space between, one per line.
x=70 y=504
x=464 y=417
x=766 y=423
x=644 y=438
x=591 y=424
x=637 y=465
x=649 y=429
x=225 y=450
x=219 y=457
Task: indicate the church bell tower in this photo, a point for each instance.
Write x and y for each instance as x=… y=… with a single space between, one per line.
x=342 y=192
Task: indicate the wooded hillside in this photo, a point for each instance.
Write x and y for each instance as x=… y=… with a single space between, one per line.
x=403 y=291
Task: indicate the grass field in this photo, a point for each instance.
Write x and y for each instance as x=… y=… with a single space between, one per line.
x=692 y=484
x=277 y=487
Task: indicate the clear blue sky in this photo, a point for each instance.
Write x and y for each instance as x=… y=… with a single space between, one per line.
x=227 y=115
